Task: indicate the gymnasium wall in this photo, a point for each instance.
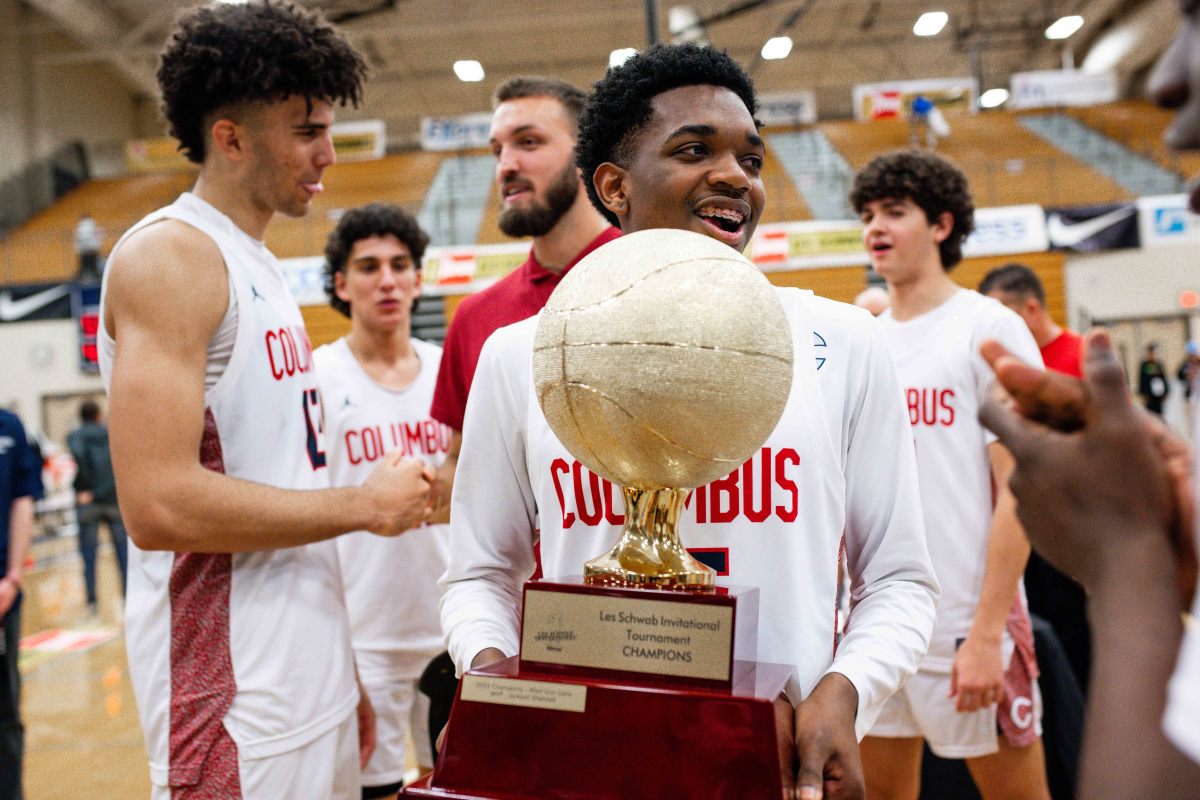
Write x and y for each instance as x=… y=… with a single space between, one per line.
x=40 y=363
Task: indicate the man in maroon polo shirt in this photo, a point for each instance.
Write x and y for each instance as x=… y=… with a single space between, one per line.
x=534 y=127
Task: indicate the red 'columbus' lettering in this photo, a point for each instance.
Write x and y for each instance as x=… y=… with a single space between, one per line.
x=763 y=486
x=930 y=406
x=289 y=352
x=411 y=439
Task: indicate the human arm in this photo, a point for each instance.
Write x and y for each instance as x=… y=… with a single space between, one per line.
x=84 y=481
x=1099 y=504
x=444 y=483
x=167 y=293
x=892 y=584
x=493 y=511
x=977 y=675
x=365 y=712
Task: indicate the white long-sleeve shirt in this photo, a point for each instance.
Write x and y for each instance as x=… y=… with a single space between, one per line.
x=840 y=461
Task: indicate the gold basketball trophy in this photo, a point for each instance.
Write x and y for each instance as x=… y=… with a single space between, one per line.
x=662 y=362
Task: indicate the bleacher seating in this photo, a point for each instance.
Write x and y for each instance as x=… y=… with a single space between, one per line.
x=1005 y=163
x=1139 y=125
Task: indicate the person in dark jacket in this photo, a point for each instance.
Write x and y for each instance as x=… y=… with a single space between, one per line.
x=1152 y=381
x=95 y=496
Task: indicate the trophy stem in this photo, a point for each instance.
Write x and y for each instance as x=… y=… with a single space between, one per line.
x=649 y=553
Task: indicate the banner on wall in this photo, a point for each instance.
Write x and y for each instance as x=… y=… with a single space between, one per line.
x=1087 y=229
x=361 y=140
x=788 y=108
x=894 y=99
x=1061 y=87
x=1007 y=229
x=1165 y=221
x=455 y=133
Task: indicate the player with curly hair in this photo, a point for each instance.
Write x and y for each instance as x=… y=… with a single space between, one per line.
x=238 y=639
x=376 y=385
x=975 y=696
x=669 y=140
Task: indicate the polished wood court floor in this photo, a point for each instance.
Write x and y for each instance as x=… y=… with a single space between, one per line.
x=82 y=738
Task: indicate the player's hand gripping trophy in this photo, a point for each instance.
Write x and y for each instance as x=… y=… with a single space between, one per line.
x=662 y=362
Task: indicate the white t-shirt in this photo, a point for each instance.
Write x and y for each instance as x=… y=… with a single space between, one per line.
x=257 y=642
x=839 y=461
x=391 y=583
x=1182 y=720
x=945 y=381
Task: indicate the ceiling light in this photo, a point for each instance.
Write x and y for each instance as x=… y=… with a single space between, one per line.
x=468 y=71
x=1064 y=27
x=993 y=98
x=931 y=23
x=618 y=57
x=777 y=47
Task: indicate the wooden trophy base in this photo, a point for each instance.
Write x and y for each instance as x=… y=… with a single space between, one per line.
x=522 y=734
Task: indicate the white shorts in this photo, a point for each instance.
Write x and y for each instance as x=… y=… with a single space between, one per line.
x=400 y=711
x=324 y=769
x=922 y=709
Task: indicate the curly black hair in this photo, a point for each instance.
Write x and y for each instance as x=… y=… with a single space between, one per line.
x=620 y=104
x=373 y=219
x=928 y=180
x=224 y=55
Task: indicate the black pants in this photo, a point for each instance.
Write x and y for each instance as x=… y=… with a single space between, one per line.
x=12 y=733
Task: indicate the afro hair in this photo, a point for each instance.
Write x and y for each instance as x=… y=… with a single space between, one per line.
x=621 y=103
x=373 y=219
x=929 y=181
x=224 y=55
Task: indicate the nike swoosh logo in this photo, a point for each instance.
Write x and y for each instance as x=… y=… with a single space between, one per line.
x=11 y=310
x=1064 y=234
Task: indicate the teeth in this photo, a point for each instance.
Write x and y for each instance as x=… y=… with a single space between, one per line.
x=724 y=213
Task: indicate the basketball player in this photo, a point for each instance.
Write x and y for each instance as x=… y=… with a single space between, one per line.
x=535 y=123
x=376 y=383
x=916 y=212
x=239 y=645
x=670 y=141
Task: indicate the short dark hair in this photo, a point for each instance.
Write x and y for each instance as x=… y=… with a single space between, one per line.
x=89 y=411
x=928 y=180
x=1015 y=279
x=224 y=55
x=373 y=219
x=569 y=95
x=621 y=103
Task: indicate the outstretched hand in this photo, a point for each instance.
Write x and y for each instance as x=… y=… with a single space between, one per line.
x=1086 y=457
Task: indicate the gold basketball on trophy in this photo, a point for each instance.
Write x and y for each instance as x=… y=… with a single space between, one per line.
x=662 y=362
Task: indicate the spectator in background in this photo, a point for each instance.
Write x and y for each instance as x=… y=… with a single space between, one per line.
x=87 y=247
x=95 y=496
x=1152 y=381
x=874 y=299
x=1189 y=370
x=20 y=486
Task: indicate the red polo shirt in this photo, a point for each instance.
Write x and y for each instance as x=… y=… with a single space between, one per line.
x=1063 y=354
x=517 y=296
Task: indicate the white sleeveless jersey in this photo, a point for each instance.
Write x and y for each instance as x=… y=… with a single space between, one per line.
x=839 y=461
x=391 y=583
x=945 y=381
x=258 y=642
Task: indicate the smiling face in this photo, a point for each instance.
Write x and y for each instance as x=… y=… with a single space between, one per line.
x=533 y=140
x=291 y=146
x=380 y=282
x=902 y=243
x=695 y=165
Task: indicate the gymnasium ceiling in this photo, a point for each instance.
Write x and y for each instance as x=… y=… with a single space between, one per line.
x=412 y=44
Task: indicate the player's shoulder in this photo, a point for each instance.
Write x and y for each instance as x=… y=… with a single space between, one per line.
x=329 y=356
x=843 y=323
x=425 y=348
x=515 y=338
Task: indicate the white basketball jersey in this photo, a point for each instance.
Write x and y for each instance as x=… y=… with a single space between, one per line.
x=945 y=381
x=257 y=641
x=391 y=583
x=839 y=461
